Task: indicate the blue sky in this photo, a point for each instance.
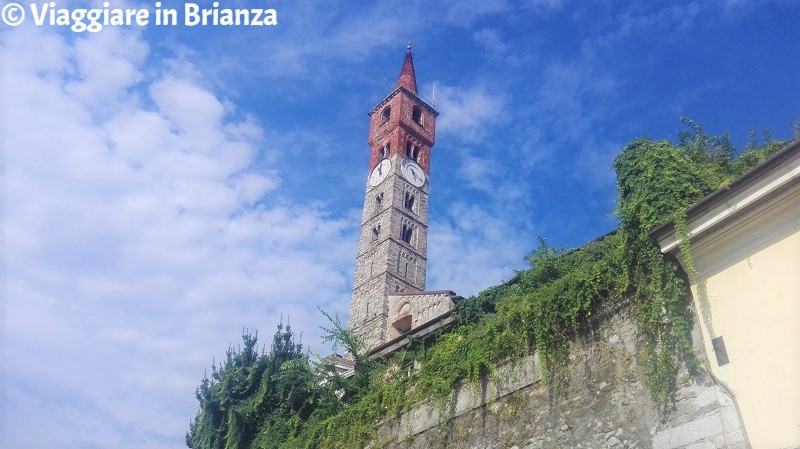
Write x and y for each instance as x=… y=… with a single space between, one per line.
x=164 y=188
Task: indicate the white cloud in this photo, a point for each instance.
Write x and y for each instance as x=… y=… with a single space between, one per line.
x=191 y=109
x=671 y=20
x=492 y=41
x=465 y=12
x=138 y=243
x=477 y=242
x=468 y=114
x=479 y=172
x=576 y=95
x=106 y=65
x=315 y=45
x=545 y=4
x=593 y=166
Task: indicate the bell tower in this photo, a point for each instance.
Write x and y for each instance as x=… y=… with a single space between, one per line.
x=392 y=247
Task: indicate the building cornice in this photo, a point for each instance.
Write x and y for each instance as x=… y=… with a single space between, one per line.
x=431 y=292
x=394 y=93
x=394 y=345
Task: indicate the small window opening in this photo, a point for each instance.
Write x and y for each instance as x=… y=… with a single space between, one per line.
x=379 y=201
x=406 y=234
x=376 y=231
x=385 y=151
x=412 y=151
x=409 y=202
x=416 y=114
x=719 y=351
x=386 y=114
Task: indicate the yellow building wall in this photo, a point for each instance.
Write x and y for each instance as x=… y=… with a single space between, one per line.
x=752 y=300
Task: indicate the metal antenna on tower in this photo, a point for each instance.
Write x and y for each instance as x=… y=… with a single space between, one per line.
x=385 y=85
x=433 y=96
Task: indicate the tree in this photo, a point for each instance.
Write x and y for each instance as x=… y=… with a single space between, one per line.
x=262 y=400
x=253 y=397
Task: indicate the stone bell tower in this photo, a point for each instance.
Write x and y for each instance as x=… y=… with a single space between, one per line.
x=392 y=247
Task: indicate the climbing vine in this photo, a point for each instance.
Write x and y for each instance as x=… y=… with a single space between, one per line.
x=281 y=399
x=657 y=181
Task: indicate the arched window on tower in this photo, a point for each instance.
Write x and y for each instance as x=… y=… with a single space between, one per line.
x=409 y=201
x=386 y=114
x=384 y=153
x=376 y=232
x=416 y=115
x=406 y=233
x=412 y=151
x=378 y=201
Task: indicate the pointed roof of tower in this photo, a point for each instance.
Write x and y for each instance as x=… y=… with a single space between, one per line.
x=407 y=77
x=408 y=82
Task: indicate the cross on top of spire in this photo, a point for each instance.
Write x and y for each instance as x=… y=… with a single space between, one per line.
x=407 y=77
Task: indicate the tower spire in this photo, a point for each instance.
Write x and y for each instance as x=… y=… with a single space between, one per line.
x=407 y=77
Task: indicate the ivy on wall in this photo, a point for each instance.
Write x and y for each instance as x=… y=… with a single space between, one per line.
x=277 y=399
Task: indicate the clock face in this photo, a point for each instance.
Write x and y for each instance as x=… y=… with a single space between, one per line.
x=413 y=172
x=380 y=172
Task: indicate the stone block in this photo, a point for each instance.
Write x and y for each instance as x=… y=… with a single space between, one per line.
x=730 y=419
x=706 y=396
x=702 y=445
x=690 y=432
x=734 y=438
x=724 y=398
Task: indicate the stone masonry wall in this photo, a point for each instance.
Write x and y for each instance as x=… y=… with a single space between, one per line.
x=606 y=405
